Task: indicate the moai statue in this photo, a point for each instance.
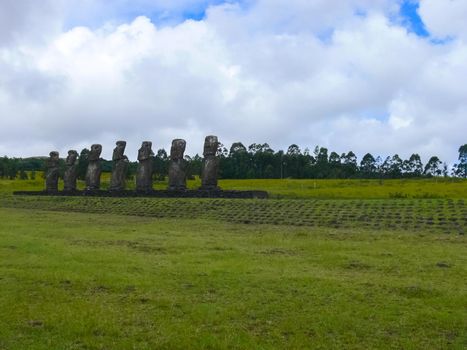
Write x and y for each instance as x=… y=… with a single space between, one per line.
x=52 y=172
x=93 y=173
x=120 y=166
x=71 y=172
x=210 y=164
x=144 y=171
x=177 y=166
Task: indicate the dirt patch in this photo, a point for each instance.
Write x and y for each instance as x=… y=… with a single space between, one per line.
x=278 y=251
x=357 y=265
x=134 y=245
x=35 y=323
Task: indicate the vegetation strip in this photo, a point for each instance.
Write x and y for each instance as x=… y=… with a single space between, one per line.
x=427 y=215
x=155 y=194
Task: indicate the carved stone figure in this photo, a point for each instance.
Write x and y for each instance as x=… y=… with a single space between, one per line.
x=93 y=173
x=120 y=166
x=52 y=172
x=210 y=164
x=71 y=172
x=177 y=166
x=144 y=171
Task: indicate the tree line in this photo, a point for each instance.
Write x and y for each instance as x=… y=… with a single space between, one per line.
x=259 y=161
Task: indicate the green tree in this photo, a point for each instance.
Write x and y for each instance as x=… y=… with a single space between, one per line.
x=336 y=168
x=194 y=165
x=368 y=166
x=237 y=163
x=3 y=162
x=432 y=168
x=263 y=159
x=12 y=168
x=395 y=170
x=161 y=165
x=321 y=168
x=292 y=159
x=334 y=159
x=131 y=171
x=460 y=169
x=350 y=164
x=222 y=151
x=386 y=167
x=413 y=167
x=322 y=157
x=237 y=147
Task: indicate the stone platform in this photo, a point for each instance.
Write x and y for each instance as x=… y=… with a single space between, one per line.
x=155 y=194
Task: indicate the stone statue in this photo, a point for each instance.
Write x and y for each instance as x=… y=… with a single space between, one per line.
x=71 y=172
x=144 y=171
x=120 y=166
x=52 y=172
x=210 y=164
x=177 y=166
x=93 y=173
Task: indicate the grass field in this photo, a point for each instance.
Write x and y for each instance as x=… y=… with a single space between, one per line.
x=87 y=281
x=355 y=189
x=447 y=216
x=328 y=264
x=304 y=189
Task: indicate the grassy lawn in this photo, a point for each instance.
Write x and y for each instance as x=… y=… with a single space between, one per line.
x=436 y=188
x=355 y=188
x=102 y=281
x=323 y=264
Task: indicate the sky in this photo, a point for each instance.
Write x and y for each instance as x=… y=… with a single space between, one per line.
x=378 y=76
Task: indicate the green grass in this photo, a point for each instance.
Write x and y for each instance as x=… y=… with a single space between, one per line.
x=355 y=189
x=106 y=281
x=414 y=215
x=447 y=215
x=304 y=189
x=325 y=264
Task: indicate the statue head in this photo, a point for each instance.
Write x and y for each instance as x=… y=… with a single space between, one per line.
x=211 y=144
x=145 y=152
x=54 y=155
x=95 y=152
x=177 y=149
x=119 y=150
x=53 y=159
x=72 y=156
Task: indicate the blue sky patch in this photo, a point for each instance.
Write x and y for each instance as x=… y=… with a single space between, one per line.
x=411 y=18
x=125 y=11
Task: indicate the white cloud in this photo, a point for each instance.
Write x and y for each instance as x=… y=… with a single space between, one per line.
x=340 y=75
x=445 y=18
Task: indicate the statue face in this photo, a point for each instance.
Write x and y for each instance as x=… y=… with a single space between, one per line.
x=178 y=148
x=119 y=150
x=147 y=147
x=72 y=156
x=210 y=146
x=54 y=155
x=95 y=152
x=145 y=151
x=53 y=160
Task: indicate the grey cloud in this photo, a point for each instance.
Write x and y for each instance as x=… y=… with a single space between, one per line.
x=28 y=20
